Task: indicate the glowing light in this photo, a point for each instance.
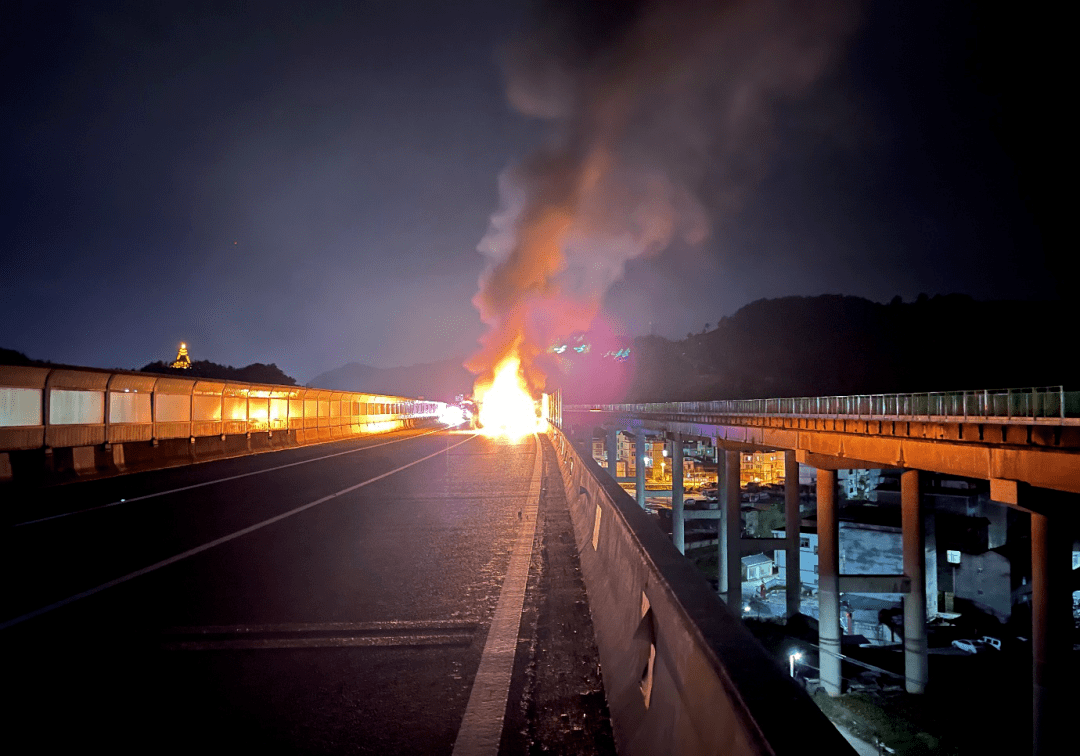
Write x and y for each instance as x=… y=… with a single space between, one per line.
x=451 y=415
x=506 y=407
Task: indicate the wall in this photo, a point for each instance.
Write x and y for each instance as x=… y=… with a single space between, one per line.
x=682 y=674
x=60 y=419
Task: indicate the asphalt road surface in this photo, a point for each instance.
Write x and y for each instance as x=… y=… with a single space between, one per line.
x=338 y=598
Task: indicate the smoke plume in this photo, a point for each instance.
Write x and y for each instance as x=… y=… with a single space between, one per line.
x=647 y=101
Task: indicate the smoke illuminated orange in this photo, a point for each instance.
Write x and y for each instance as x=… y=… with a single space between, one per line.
x=506 y=407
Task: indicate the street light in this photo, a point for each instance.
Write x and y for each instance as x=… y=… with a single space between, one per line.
x=792 y=658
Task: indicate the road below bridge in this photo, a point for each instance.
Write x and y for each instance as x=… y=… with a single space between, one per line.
x=338 y=598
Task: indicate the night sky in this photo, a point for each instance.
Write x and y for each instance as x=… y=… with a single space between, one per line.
x=307 y=183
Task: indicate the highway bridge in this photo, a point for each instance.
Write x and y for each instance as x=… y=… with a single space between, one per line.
x=228 y=566
x=1023 y=443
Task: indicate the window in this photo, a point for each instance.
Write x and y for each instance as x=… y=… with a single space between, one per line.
x=20 y=406
x=804 y=543
x=73 y=407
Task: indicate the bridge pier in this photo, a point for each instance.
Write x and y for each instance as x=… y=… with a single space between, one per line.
x=1053 y=528
x=1051 y=629
x=828 y=532
x=611 y=444
x=721 y=522
x=678 y=525
x=916 y=664
x=639 y=467
x=792 y=521
x=732 y=536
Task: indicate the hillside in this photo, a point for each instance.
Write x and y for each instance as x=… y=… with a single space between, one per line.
x=793 y=346
x=436 y=380
x=256 y=372
x=829 y=345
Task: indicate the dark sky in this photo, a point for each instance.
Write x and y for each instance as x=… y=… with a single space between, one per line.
x=307 y=183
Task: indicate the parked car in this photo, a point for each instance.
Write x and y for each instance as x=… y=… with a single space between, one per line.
x=968 y=645
x=975 y=646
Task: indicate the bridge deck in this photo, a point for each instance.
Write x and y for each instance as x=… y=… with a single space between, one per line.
x=335 y=598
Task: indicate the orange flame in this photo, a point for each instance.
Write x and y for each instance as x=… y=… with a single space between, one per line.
x=506 y=406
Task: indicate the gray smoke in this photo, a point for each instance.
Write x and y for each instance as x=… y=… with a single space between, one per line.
x=646 y=101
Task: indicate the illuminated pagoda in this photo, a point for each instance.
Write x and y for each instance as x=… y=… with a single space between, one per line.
x=182 y=360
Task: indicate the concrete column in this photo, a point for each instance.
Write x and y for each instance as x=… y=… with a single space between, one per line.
x=930 y=549
x=1051 y=631
x=791 y=528
x=721 y=522
x=733 y=531
x=828 y=532
x=677 y=525
x=612 y=447
x=916 y=665
x=639 y=467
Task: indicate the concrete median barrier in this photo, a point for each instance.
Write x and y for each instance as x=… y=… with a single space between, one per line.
x=681 y=673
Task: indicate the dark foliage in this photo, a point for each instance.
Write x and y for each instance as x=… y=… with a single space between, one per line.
x=11 y=357
x=254 y=373
x=837 y=345
x=437 y=380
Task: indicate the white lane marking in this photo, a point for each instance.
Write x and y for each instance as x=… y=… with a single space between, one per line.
x=216 y=542
x=391 y=634
x=262 y=644
x=481 y=727
x=386 y=626
x=219 y=480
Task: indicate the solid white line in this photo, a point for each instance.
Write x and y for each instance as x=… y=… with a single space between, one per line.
x=481 y=727
x=216 y=542
x=402 y=626
x=219 y=480
x=273 y=644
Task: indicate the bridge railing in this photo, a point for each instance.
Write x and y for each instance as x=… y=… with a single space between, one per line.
x=1020 y=405
x=66 y=407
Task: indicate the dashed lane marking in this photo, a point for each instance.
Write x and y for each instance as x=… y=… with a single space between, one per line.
x=218 y=541
x=218 y=480
x=391 y=634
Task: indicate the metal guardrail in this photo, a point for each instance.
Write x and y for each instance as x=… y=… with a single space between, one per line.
x=1019 y=405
